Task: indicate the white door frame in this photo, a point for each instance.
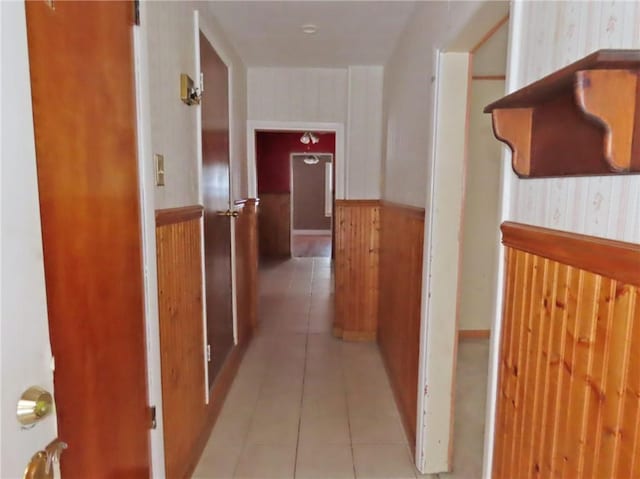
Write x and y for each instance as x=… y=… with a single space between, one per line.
x=254 y=126
x=436 y=380
x=422 y=439
x=146 y=179
x=506 y=178
x=25 y=343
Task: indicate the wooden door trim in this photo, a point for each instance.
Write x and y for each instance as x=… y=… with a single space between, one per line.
x=615 y=259
x=168 y=216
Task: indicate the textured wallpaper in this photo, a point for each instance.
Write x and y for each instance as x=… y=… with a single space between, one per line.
x=553 y=35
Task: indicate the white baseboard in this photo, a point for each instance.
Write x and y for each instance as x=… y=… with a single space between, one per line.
x=311 y=232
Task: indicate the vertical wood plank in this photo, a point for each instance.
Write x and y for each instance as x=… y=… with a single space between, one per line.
x=629 y=462
x=523 y=295
x=583 y=336
x=619 y=355
x=503 y=367
x=601 y=349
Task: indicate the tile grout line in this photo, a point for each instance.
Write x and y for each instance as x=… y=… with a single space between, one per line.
x=346 y=399
x=245 y=443
x=304 y=377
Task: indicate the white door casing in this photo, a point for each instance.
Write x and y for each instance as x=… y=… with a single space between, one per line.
x=24 y=330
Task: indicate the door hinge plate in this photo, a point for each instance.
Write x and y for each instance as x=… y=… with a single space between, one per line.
x=153 y=423
x=208 y=353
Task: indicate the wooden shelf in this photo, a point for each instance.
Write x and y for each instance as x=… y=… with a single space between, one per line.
x=581 y=120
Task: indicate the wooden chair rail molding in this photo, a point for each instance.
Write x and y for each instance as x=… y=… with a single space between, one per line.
x=581 y=120
x=601 y=256
x=569 y=361
x=169 y=216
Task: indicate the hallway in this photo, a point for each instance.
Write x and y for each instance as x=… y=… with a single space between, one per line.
x=304 y=404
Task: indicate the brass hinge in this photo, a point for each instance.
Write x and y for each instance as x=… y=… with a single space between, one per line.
x=153 y=423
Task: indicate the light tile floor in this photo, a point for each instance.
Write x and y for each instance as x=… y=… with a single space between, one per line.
x=305 y=405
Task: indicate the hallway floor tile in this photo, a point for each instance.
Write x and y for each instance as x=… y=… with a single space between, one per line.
x=304 y=404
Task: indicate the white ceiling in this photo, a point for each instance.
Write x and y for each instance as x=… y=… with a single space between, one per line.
x=268 y=33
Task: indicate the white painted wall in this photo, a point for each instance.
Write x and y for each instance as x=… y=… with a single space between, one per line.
x=24 y=330
x=169 y=31
x=298 y=94
x=481 y=214
x=442 y=260
x=408 y=98
x=606 y=206
x=491 y=57
x=364 y=132
x=349 y=96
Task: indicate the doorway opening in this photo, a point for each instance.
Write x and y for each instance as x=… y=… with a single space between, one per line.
x=312 y=197
x=462 y=255
x=295 y=173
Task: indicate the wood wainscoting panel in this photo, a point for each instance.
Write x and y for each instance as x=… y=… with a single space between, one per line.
x=246 y=238
x=401 y=246
x=357 y=227
x=188 y=419
x=569 y=377
x=274 y=225
x=179 y=254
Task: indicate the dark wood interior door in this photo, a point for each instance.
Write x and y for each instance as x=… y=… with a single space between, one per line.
x=82 y=82
x=217 y=227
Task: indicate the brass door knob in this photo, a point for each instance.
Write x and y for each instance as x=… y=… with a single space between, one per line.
x=34 y=405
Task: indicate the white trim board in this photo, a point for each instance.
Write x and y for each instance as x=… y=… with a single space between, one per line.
x=146 y=180
x=254 y=126
x=506 y=175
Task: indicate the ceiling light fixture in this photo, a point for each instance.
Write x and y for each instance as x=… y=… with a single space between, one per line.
x=309 y=137
x=311 y=160
x=309 y=28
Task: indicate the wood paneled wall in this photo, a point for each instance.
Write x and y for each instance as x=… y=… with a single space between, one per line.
x=569 y=379
x=357 y=227
x=188 y=419
x=246 y=268
x=274 y=225
x=179 y=255
x=401 y=245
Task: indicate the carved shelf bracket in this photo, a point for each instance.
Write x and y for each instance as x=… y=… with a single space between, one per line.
x=581 y=120
x=607 y=96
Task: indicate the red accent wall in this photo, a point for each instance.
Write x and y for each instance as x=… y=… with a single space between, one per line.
x=273 y=150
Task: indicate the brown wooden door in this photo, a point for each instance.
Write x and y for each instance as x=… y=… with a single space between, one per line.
x=82 y=81
x=217 y=228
